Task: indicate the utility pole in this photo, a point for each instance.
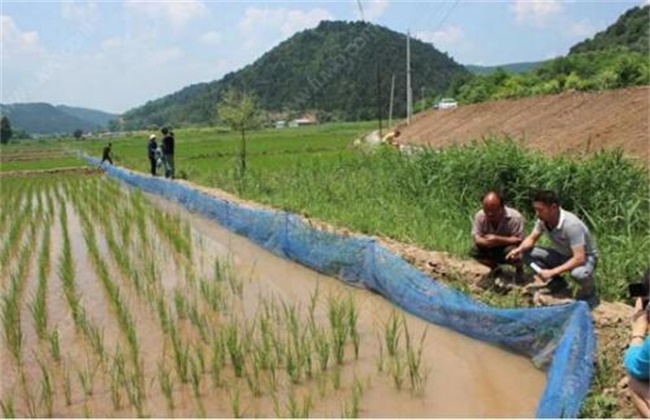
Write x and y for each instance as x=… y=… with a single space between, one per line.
x=409 y=92
x=422 y=96
x=378 y=94
x=390 y=107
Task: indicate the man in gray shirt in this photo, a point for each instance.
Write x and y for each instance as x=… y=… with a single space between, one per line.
x=572 y=247
x=497 y=229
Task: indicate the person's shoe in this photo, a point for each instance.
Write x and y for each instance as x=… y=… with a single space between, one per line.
x=557 y=285
x=520 y=276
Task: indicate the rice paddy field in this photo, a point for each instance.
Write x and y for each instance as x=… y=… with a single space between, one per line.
x=115 y=303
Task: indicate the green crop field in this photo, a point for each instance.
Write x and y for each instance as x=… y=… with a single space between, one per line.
x=427 y=198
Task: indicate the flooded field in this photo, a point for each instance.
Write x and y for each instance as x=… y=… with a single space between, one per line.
x=117 y=304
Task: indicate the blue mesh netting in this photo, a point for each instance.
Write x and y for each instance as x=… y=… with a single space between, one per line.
x=560 y=338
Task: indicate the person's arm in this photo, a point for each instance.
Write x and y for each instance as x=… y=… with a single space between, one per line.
x=525 y=245
x=497 y=240
x=577 y=241
x=637 y=356
x=577 y=259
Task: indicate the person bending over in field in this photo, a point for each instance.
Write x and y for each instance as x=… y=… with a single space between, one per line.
x=391 y=138
x=497 y=230
x=107 y=155
x=572 y=250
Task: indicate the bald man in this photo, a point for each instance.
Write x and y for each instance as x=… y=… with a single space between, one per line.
x=496 y=231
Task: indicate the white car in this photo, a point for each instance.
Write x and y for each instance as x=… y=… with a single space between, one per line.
x=446 y=103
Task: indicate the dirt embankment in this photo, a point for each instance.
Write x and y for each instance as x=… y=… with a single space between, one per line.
x=572 y=122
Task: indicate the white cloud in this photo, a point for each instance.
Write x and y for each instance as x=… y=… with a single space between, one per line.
x=539 y=12
x=79 y=12
x=178 y=14
x=582 y=29
x=211 y=38
x=263 y=28
x=372 y=10
x=444 y=38
x=14 y=41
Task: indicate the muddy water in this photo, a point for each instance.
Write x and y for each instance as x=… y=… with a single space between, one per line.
x=467 y=378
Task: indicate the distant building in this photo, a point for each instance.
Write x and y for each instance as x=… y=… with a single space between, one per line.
x=280 y=124
x=300 y=122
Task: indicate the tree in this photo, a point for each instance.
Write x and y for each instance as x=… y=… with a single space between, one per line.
x=5 y=130
x=239 y=111
x=78 y=134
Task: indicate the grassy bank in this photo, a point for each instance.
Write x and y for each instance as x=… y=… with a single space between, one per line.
x=430 y=198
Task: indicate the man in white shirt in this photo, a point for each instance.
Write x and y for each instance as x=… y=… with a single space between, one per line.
x=572 y=250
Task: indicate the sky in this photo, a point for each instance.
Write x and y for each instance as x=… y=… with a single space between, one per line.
x=114 y=55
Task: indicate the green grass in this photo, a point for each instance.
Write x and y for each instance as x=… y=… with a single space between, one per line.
x=34 y=165
x=427 y=200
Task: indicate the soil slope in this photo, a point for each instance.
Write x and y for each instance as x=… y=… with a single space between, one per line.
x=572 y=122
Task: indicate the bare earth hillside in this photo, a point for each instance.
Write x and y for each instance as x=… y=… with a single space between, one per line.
x=572 y=123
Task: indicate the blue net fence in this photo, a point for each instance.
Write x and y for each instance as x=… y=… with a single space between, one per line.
x=559 y=339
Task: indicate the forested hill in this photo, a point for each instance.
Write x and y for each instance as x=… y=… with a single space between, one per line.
x=44 y=118
x=631 y=30
x=333 y=69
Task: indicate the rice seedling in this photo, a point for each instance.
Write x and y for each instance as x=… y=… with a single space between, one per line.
x=253 y=380
x=276 y=406
x=392 y=333
x=336 y=378
x=322 y=346
x=354 y=331
x=67 y=386
x=180 y=356
x=195 y=378
x=417 y=373
x=217 y=361
x=397 y=371
x=180 y=304
x=11 y=321
x=37 y=307
x=291 y=366
x=380 y=357
x=7 y=407
x=117 y=378
x=166 y=385
x=235 y=348
x=293 y=407
x=135 y=392
x=339 y=325
x=86 y=411
x=47 y=392
x=235 y=403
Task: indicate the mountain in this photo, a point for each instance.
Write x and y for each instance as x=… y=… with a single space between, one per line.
x=99 y=118
x=631 y=30
x=339 y=69
x=43 y=118
x=510 y=68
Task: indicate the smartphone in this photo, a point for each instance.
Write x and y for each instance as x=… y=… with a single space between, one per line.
x=637 y=290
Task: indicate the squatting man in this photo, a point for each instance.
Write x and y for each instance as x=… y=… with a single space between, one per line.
x=572 y=248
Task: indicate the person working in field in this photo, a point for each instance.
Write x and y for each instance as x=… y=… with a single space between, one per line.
x=391 y=138
x=107 y=155
x=573 y=249
x=497 y=230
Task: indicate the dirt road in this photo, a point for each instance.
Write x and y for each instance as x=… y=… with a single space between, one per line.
x=573 y=123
